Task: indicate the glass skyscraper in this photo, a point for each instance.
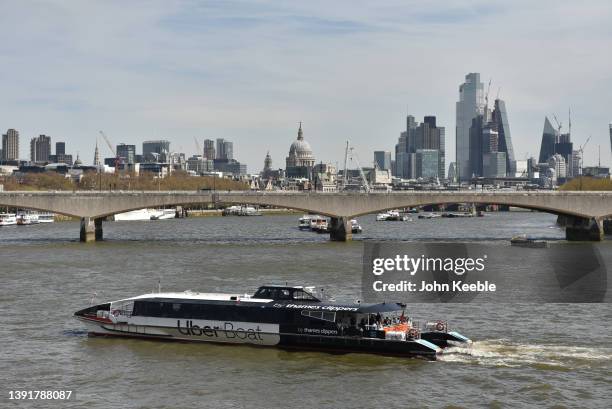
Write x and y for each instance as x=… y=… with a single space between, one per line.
x=469 y=106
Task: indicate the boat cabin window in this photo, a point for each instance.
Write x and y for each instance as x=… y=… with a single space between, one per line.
x=320 y=315
x=303 y=295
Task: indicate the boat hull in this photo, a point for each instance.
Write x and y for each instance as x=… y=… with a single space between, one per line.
x=260 y=334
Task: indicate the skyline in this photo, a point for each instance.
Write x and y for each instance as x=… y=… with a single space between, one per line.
x=250 y=71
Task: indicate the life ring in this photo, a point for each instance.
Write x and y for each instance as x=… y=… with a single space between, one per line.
x=116 y=313
x=440 y=326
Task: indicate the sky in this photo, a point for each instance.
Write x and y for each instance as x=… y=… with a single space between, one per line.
x=250 y=71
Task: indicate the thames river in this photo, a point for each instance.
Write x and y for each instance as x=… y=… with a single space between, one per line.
x=538 y=355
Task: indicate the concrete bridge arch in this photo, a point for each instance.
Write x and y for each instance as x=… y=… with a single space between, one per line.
x=584 y=211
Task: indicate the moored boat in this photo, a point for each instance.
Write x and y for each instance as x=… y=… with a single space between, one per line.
x=304 y=222
x=135 y=215
x=27 y=219
x=46 y=217
x=522 y=240
x=356 y=227
x=164 y=214
x=8 y=219
x=285 y=316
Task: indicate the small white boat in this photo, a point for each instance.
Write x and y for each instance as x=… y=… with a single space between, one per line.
x=382 y=217
x=304 y=222
x=355 y=226
x=135 y=215
x=46 y=218
x=27 y=219
x=429 y=216
x=318 y=224
x=8 y=219
x=164 y=214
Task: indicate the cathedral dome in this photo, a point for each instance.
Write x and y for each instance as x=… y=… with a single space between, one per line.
x=300 y=153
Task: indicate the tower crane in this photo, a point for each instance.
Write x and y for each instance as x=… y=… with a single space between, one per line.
x=559 y=124
x=110 y=146
x=581 y=150
x=198 y=147
x=366 y=185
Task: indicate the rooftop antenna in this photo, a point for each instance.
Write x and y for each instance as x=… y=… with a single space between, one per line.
x=498 y=91
x=487 y=95
x=569 y=117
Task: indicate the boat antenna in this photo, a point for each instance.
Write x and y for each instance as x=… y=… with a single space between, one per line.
x=93 y=298
x=159 y=285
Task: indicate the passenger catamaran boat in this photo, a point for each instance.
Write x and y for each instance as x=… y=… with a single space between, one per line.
x=283 y=316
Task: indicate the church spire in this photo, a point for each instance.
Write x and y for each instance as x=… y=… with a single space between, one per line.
x=96 y=155
x=300 y=133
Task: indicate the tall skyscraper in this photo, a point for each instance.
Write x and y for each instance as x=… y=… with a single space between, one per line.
x=220 y=149
x=469 y=106
x=228 y=150
x=500 y=118
x=549 y=138
x=209 y=149
x=10 y=145
x=424 y=136
x=40 y=149
x=156 y=151
x=382 y=159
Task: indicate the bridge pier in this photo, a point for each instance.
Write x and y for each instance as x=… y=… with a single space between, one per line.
x=91 y=229
x=584 y=229
x=340 y=229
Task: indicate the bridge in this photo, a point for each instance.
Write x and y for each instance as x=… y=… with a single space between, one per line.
x=584 y=212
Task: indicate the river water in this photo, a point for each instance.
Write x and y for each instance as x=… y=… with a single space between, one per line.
x=537 y=355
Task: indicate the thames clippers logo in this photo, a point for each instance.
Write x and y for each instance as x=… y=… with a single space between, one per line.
x=227 y=331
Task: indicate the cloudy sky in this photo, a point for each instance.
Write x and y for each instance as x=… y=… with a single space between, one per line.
x=250 y=71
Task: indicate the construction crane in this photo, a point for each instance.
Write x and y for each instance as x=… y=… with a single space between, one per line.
x=559 y=124
x=366 y=185
x=487 y=94
x=198 y=147
x=345 y=174
x=581 y=150
x=110 y=146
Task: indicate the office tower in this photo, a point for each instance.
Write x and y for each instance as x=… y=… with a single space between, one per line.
x=452 y=172
x=220 y=149
x=10 y=145
x=40 y=149
x=209 y=149
x=60 y=148
x=576 y=160
x=382 y=159
x=469 y=106
x=156 y=151
x=500 y=119
x=228 y=150
x=494 y=164
x=424 y=136
x=549 y=138
x=557 y=163
x=476 y=146
x=427 y=163
x=127 y=153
